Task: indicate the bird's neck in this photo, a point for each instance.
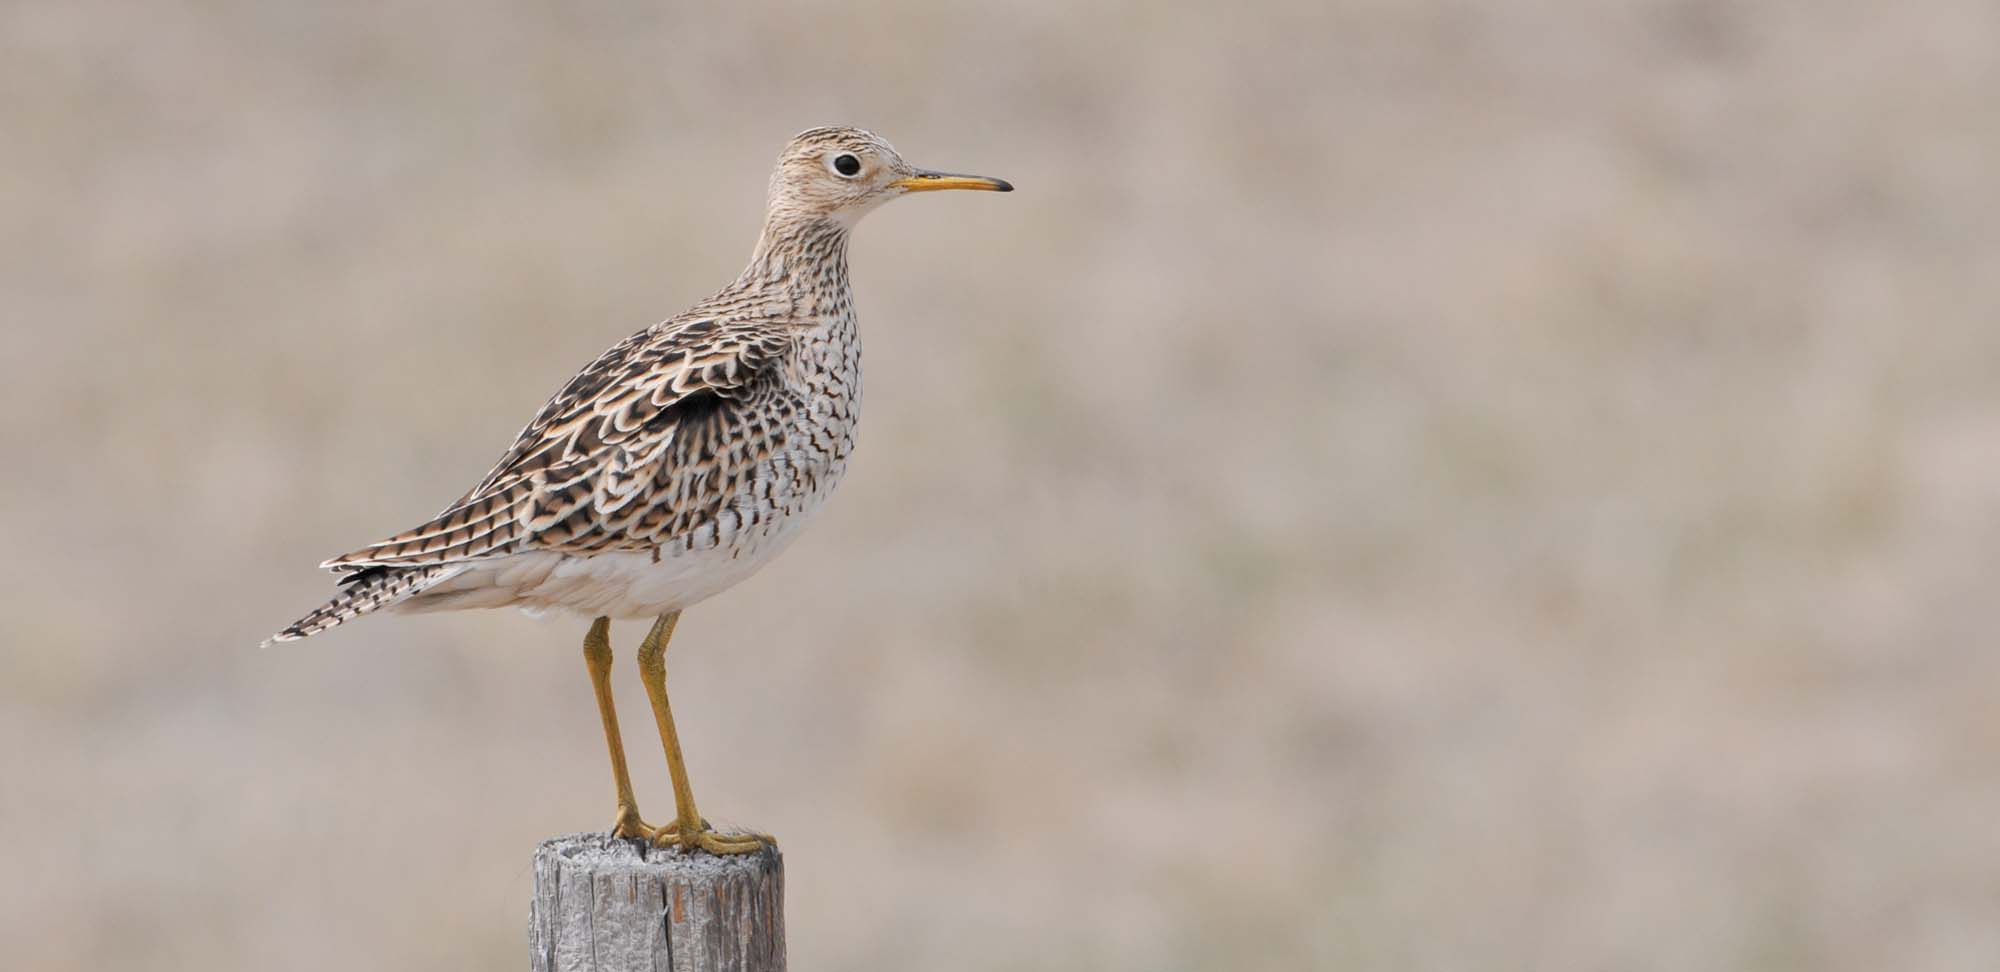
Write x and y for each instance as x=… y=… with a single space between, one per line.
x=806 y=259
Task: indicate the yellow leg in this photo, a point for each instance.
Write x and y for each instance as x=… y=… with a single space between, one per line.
x=688 y=830
x=597 y=655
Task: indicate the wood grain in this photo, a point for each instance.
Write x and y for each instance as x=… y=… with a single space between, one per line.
x=603 y=904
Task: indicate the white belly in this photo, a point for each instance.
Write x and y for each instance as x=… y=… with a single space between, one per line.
x=618 y=585
x=754 y=527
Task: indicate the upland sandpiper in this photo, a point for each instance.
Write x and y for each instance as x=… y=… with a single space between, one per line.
x=674 y=465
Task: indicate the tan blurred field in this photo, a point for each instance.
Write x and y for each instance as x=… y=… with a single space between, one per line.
x=1403 y=485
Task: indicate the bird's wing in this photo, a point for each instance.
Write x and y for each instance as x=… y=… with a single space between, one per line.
x=645 y=444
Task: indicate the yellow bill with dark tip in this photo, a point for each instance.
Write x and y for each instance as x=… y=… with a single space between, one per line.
x=927 y=181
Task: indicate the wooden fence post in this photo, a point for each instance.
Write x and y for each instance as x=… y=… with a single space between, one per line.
x=603 y=904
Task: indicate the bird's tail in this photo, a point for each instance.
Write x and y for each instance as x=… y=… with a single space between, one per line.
x=361 y=592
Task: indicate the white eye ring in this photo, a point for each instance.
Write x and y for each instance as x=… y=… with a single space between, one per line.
x=833 y=165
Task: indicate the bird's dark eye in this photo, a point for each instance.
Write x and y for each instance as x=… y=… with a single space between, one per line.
x=847 y=165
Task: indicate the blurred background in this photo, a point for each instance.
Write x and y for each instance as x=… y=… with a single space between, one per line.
x=1403 y=485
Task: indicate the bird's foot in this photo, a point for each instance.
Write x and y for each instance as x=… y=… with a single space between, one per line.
x=705 y=837
x=630 y=827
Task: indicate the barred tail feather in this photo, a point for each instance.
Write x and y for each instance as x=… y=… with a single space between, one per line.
x=361 y=592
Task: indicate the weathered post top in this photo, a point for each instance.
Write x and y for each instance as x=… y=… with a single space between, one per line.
x=607 y=904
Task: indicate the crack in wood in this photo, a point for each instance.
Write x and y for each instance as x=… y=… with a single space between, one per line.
x=678 y=912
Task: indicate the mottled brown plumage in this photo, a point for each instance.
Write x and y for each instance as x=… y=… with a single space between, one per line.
x=674 y=465
x=695 y=445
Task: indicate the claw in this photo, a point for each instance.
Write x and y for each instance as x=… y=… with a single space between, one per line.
x=711 y=840
x=630 y=827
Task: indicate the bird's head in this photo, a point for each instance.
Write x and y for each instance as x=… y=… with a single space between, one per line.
x=842 y=173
